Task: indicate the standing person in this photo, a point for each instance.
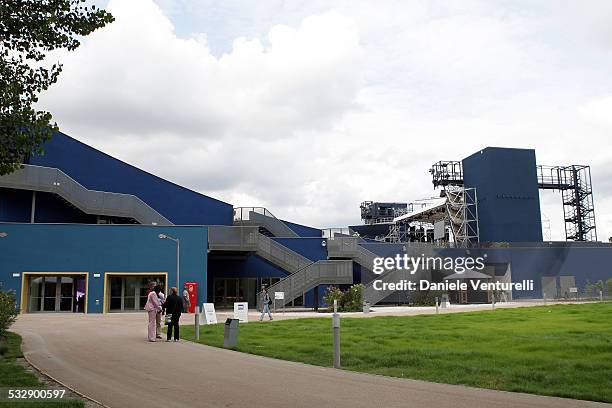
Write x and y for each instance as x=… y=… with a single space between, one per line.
x=266 y=301
x=158 y=317
x=152 y=307
x=186 y=301
x=174 y=307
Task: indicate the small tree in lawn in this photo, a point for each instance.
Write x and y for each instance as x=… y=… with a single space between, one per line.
x=8 y=311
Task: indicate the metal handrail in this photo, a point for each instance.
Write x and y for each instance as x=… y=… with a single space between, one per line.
x=242 y=213
x=262 y=217
x=288 y=259
x=297 y=283
x=260 y=292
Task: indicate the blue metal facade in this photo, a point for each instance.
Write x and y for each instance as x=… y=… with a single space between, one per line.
x=99 y=171
x=508 y=197
x=529 y=261
x=101 y=249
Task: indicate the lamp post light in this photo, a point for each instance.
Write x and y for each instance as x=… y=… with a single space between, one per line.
x=178 y=257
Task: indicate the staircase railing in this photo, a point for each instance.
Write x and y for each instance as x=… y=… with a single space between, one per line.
x=312 y=275
x=228 y=238
x=280 y=255
x=53 y=180
x=262 y=217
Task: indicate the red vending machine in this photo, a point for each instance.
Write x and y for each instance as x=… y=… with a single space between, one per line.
x=192 y=289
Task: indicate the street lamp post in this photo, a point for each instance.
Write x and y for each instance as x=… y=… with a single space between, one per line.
x=178 y=257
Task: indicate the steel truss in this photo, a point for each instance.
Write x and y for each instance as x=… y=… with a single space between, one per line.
x=462 y=213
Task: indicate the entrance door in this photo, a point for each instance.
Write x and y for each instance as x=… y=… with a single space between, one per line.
x=128 y=293
x=56 y=293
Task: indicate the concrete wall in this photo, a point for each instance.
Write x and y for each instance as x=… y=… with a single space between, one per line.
x=101 y=249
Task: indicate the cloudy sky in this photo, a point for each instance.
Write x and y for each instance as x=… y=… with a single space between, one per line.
x=311 y=107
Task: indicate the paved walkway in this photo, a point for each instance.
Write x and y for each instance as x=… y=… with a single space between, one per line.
x=108 y=358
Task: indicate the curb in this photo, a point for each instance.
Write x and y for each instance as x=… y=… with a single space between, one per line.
x=80 y=394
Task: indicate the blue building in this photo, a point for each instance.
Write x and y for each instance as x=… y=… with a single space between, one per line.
x=80 y=232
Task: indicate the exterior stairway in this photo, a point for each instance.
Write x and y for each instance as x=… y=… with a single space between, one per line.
x=304 y=274
x=249 y=216
x=52 y=180
x=349 y=247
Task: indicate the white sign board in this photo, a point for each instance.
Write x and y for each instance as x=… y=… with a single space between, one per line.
x=241 y=311
x=573 y=290
x=279 y=295
x=209 y=313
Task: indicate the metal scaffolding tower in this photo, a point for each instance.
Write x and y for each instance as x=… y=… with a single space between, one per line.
x=462 y=212
x=574 y=182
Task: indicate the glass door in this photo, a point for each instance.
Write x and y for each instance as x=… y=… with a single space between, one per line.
x=36 y=294
x=54 y=293
x=128 y=293
x=50 y=293
x=65 y=296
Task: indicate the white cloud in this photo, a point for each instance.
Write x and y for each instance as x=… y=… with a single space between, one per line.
x=314 y=107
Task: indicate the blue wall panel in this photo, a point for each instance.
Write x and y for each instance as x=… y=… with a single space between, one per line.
x=508 y=196
x=303 y=230
x=15 y=205
x=100 y=249
x=99 y=171
x=310 y=248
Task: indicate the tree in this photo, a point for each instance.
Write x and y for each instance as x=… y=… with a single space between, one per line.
x=29 y=29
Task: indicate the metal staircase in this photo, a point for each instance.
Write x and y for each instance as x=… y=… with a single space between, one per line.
x=52 y=180
x=312 y=275
x=349 y=247
x=261 y=217
x=249 y=239
x=304 y=274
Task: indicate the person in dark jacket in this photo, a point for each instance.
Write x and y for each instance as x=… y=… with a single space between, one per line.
x=174 y=307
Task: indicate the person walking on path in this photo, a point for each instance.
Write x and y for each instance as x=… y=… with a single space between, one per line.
x=266 y=301
x=152 y=307
x=174 y=307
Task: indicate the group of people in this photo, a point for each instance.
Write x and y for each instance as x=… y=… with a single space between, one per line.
x=172 y=307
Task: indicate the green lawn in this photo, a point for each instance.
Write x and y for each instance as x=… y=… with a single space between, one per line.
x=562 y=350
x=13 y=375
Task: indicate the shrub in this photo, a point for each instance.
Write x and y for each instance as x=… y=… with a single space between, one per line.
x=8 y=311
x=609 y=285
x=348 y=301
x=352 y=299
x=424 y=297
x=332 y=293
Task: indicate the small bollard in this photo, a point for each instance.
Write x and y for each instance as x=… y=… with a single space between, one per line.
x=336 y=328
x=544 y=299
x=493 y=302
x=366 y=306
x=197 y=323
x=436 y=305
